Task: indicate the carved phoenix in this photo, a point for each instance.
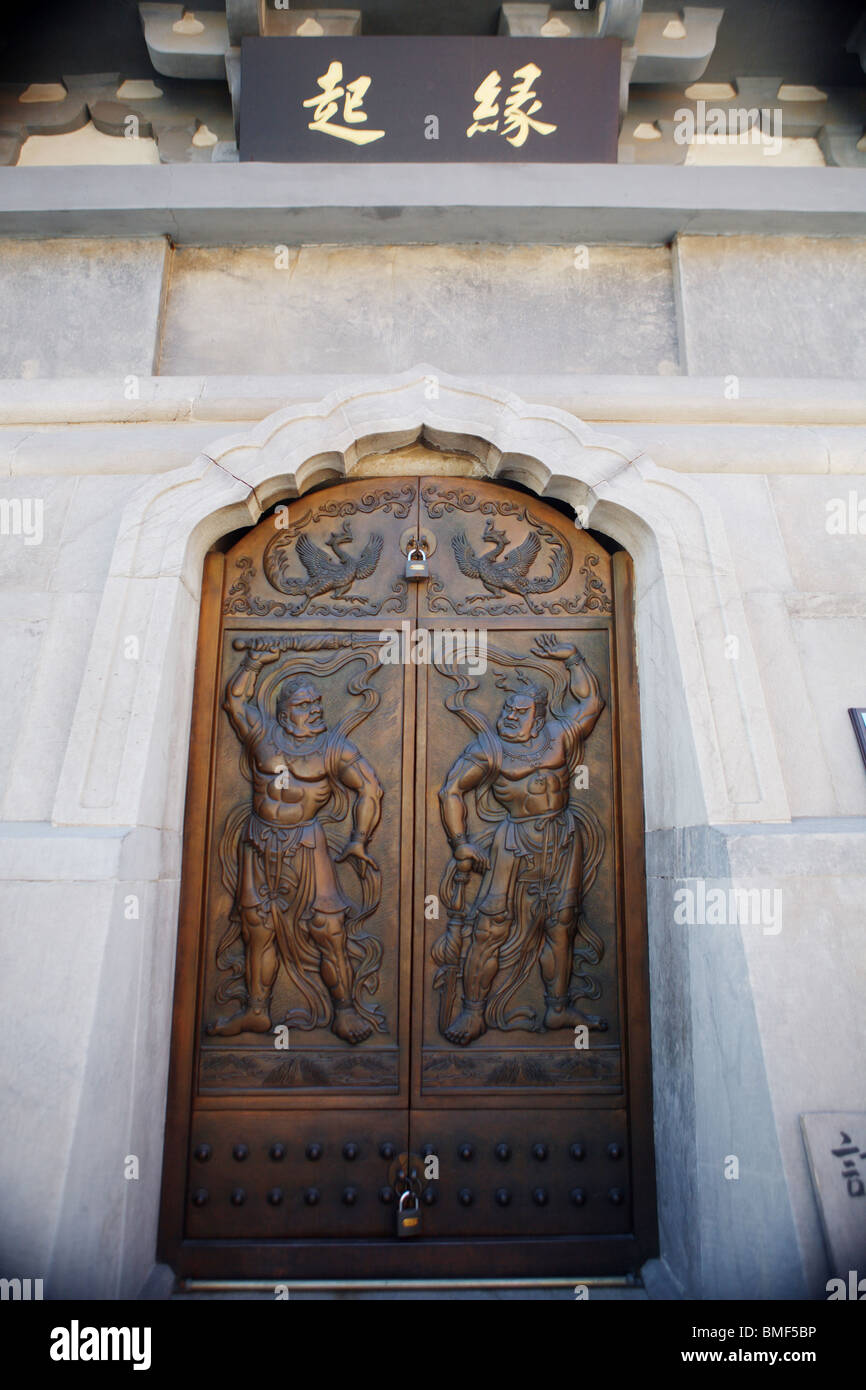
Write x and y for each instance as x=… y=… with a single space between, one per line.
x=511 y=572
x=324 y=574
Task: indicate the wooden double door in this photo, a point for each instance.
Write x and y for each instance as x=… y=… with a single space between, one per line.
x=412 y=955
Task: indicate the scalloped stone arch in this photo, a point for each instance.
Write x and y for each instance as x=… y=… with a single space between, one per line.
x=708 y=756
x=709 y=752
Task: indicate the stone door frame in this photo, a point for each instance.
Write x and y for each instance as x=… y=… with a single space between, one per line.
x=708 y=750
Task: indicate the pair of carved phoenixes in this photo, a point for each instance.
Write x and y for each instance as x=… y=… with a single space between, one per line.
x=535 y=864
x=322 y=575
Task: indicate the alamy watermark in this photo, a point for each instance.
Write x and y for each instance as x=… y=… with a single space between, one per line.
x=77 y=1343
x=854 y=1290
x=700 y=903
x=22 y=516
x=21 y=1290
x=845 y=516
x=441 y=646
x=729 y=125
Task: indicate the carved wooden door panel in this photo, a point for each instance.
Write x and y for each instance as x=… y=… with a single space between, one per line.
x=412 y=952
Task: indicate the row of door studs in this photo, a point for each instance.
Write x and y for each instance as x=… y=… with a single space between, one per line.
x=352 y=1151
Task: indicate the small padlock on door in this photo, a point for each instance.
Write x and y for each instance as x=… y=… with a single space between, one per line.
x=408 y=1221
x=416 y=562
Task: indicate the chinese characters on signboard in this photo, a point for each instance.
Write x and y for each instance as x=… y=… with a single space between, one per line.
x=836 y=1149
x=437 y=100
x=850 y=1174
x=327 y=104
x=517 y=121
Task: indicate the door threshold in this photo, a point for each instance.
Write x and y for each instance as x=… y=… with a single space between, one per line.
x=603 y=1281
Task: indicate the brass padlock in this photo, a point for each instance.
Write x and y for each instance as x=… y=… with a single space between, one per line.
x=408 y=1222
x=416 y=562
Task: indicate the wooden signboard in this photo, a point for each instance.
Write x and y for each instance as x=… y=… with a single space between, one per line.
x=435 y=100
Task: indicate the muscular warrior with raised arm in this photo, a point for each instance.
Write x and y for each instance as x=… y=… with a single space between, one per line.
x=531 y=881
x=288 y=899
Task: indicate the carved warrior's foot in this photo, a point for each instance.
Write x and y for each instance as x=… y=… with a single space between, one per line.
x=565 y=1015
x=349 y=1025
x=255 y=1018
x=468 y=1025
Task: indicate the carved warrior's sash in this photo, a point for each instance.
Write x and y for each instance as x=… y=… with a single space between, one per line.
x=292 y=866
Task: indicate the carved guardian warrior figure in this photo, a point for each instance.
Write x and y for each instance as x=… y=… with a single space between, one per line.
x=535 y=866
x=288 y=906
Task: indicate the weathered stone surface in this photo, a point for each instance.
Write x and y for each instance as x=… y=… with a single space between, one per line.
x=133 y=450
x=112 y=117
x=651 y=53
x=527 y=21
x=774 y=306
x=48 y=1064
x=170 y=112
x=674 y=59
x=833 y=410
x=183 y=47
x=824 y=550
x=811 y=969
x=834 y=123
x=619 y=19
x=843 y=146
x=176 y=147
x=243 y=18
x=46 y=638
x=445 y=204
x=10 y=148
x=86 y=147
x=330 y=23
x=40 y=117
x=467 y=308
x=80 y=306
x=832 y=657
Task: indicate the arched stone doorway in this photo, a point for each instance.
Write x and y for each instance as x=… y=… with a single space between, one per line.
x=708 y=749
x=413 y=957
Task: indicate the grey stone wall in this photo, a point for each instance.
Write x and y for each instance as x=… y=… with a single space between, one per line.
x=80 y=307
x=748 y=306
x=381 y=309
